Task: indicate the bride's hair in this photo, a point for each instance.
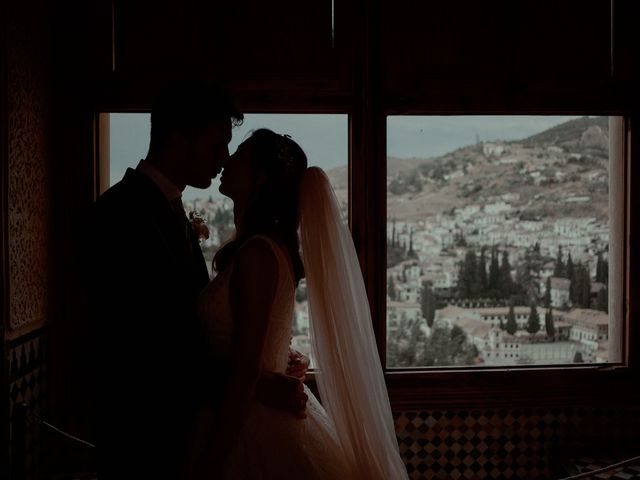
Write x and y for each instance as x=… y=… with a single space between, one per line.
x=274 y=209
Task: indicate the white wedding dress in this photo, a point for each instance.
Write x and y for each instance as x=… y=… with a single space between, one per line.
x=273 y=444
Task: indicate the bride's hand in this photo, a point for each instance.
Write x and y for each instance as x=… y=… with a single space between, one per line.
x=298 y=365
x=282 y=392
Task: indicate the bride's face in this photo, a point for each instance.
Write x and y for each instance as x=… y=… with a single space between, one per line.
x=240 y=179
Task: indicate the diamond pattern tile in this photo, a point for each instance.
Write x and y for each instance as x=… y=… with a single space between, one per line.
x=508 y=444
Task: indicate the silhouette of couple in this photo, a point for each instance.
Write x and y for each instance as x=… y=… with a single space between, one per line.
x=195 y=377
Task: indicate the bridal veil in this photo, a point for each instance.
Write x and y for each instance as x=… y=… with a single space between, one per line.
x=348 y=369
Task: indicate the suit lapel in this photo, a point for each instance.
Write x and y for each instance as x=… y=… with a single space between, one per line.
x=155 y=205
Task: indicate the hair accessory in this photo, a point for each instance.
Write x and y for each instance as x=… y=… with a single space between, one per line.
x=285 y=155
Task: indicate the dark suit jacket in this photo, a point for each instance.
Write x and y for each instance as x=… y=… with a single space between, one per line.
x=150 y=350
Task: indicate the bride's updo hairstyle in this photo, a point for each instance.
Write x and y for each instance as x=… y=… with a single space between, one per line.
x=274 y=209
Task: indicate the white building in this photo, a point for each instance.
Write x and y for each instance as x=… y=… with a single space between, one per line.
x=589 y=327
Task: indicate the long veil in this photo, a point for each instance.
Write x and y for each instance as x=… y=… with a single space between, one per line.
x=349 y=373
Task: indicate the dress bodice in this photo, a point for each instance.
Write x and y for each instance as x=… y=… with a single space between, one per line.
x=214 y=311
x=273 y=443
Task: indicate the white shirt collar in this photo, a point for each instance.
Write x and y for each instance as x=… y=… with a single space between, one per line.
x=164 y=184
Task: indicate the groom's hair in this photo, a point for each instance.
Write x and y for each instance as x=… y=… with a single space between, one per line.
x=188 y=107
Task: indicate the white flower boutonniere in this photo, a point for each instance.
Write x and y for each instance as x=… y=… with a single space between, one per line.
x=199 y=225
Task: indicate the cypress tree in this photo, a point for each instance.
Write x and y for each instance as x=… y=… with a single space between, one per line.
x=494 y=272
x=548 y=323
x=602 y=269
x=586 y=287
x=559 y=270
x=411 y=253
x=580 y=288
x=602 y=301
x=574 y=276
x=512 y=325
x=393 y=232
x=472 y=272
x=428 y=303
x=533 y=325
x=569 y=272
x=391 y=287
x=547 y=294
x=482 y=273
x=467 y=276
x=505 y=280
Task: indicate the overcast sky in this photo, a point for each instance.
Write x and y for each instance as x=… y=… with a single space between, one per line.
x=325 y=137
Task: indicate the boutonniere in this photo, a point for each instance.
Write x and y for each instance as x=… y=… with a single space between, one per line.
x=199 y=226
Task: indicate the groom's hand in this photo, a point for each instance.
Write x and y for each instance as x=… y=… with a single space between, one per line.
x=298 y=364
x=282 y=392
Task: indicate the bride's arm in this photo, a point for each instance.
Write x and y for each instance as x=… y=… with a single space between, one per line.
x=253 y=285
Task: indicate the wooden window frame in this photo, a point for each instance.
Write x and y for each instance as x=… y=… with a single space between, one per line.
x=368 y=104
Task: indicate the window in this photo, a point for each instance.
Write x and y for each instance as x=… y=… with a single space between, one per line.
x=323 y=137
x=501 y=218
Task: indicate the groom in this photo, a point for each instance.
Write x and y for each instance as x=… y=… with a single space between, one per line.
x=152 y=368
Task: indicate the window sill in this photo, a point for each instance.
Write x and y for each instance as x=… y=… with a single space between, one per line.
x=588 y=385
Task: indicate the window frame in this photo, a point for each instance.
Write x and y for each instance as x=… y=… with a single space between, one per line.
x=465 y=387
x=456 y=387
x=363 y=96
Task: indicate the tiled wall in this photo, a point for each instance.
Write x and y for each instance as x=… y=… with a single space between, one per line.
x=511 y=443
x=27 y=383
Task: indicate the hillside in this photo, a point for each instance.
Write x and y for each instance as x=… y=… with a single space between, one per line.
x=562 y=171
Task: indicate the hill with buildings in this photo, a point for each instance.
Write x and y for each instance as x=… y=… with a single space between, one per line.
x=561 y=172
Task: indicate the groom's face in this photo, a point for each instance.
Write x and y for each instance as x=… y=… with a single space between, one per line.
x=207 y=153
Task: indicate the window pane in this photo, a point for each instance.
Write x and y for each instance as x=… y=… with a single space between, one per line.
x=323 y=137
x=498 y=240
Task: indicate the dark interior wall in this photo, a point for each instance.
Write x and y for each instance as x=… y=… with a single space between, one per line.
x=27 y=216
x=401 y=56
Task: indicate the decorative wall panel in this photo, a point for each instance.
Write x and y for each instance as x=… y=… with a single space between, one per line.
x=28 y=159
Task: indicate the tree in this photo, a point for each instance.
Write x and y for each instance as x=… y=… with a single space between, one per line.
x=602 y=300
x=548 y=323
x=505 y=281
x=602 y=269
x=411 y=253
x=559 y=270
x=459 y=240
x=494 y=272
x=405 y=343
x=393 y=232
x=447 y=346
x=586 y=287
x=547 y=294
x=512 y=325
x=569 y=269
x=533 y=324
x=391 y=287
x=428 y=303
x=482 y=273
x=580 y=288
x=466 y=275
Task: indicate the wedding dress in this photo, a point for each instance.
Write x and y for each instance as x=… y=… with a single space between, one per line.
x=351 y=436
x=273 y=444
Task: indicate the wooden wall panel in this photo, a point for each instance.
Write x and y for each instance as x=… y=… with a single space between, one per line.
x=496 y=54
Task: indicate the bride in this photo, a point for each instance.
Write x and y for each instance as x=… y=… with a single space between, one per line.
x=247 y=311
